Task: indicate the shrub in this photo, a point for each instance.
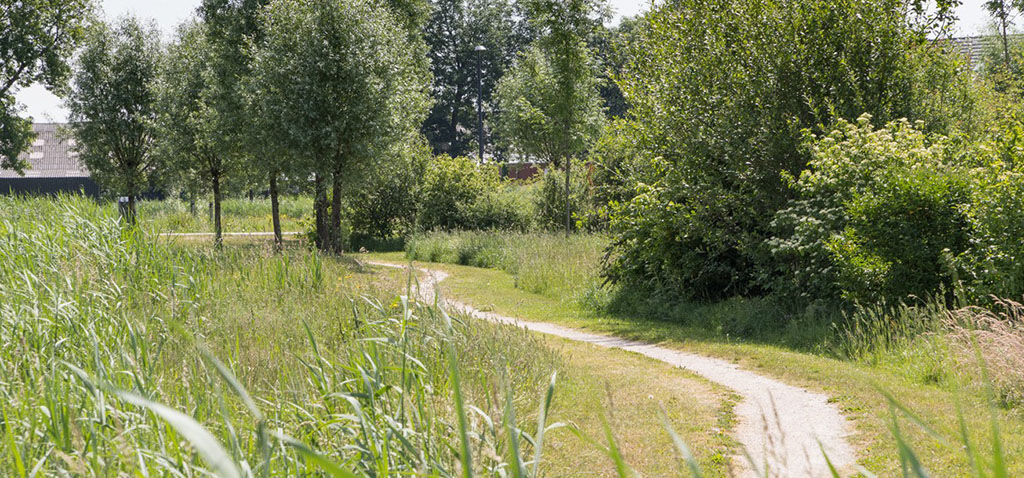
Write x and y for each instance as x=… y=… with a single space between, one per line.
x=995 y=265
x=720 y=93
x=459 y=194
x=550 y=200
x=879 y=215
x=680 y=249
x=451 y=186
x=385 y=202
x=505 y=208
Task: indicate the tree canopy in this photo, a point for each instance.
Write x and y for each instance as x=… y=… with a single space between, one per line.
x=113 y=104
x=36 y=39
x=370 y=92
x=720 y=94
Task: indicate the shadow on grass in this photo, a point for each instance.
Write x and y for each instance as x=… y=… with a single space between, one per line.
x=639 y=315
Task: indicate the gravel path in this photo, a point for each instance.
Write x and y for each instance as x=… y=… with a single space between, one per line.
x=782 y=428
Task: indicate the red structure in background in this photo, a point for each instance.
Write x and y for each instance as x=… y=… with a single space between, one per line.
x=520 y=171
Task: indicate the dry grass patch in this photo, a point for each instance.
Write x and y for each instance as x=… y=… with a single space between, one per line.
x=991 y=340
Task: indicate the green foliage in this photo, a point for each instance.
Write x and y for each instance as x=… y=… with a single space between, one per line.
x=451 y=188
x=327 y=117
x=551 y=108
x=454 y=30
x=886 y=214
x=36 y=39
x=507 y=207
x=113 y=105
x=174 y=359
x=720 y=94
x=337 y=112
x=877 y=215
x=537 y=120
x=551 y=201
x=995 y=264
x=384 y=205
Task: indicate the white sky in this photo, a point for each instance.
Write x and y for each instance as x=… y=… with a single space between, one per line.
x=45 y=107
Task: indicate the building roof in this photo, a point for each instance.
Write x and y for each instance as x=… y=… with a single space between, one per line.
x=974 y=48
x=52 y=155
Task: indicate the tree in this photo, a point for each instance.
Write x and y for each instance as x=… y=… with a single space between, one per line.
x=36 y=39
x=1004 y=12
x=720 y=93
x=113 y=106
x=455 y=28
x=191 y=128
x=334 y=114
x=550 y=104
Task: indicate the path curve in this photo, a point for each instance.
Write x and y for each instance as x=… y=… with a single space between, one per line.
x=782 y=428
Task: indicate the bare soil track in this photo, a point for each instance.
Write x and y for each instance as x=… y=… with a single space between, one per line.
x=786 y=431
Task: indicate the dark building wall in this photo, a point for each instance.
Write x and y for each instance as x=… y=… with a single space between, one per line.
x=48 y=186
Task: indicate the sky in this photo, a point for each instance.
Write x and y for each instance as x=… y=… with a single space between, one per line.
x=45 y=107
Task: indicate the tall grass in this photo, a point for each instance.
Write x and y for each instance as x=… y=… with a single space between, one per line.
x=542 y=263
x=121 y=355
x=238 y=215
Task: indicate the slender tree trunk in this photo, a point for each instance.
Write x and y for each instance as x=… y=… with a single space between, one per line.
x=1006 y=45
x=131 y=210
x=275 y=212
x=568 y=207
x=321 y=213
x=192 y=202
x=336 y=244
x=218 y=232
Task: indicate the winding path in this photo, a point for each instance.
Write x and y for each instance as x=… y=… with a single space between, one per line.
x=782 y=428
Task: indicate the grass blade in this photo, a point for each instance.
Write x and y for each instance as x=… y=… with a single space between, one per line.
x=208 y=447
x=460 y=409
x=333 y=469
x=684 y=451
x=19 y=465
x=542 y=418
x=515 y=454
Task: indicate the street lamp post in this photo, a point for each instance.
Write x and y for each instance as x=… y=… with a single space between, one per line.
x=479 y=100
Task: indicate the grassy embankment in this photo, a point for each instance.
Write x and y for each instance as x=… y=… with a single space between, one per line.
x=545 y=278
x=125 y=354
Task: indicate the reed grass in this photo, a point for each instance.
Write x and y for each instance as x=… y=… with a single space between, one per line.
x=238 y=215
x=121 y=354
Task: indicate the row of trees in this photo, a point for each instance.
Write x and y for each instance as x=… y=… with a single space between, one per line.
x=258 y=91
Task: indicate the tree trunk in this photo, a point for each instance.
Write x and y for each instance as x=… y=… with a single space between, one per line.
x=131 y=210
x=568 y=207
x=275 y=212
x=320 y=205
x=218 y=232
x=1006 y=45
x=192 y=203
x=336 y=244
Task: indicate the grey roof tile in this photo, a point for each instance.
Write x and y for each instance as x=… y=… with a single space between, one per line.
x=50 y=156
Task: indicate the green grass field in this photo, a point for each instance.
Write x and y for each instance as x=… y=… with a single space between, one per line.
x=919 y=372
x=127 y=354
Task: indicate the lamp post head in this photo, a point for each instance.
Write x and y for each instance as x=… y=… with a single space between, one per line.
x=480 y=48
